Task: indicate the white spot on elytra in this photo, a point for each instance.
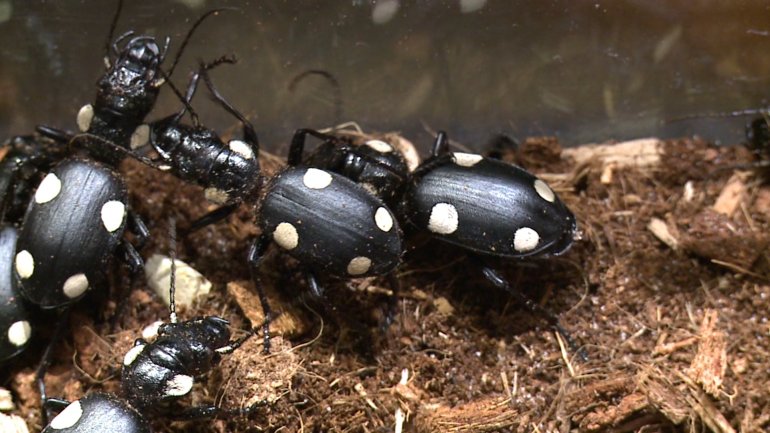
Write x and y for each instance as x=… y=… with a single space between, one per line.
x=68 y=417
x=286 y=236
x=140 y=136
x=241 y=148
x=85 y=116
x=25 y=264
x=359 y=265
x=443 y=219
x=49 y=188
x=216 y=195
x=466 y=159
x=383 y=219
x=379 y=146
x=525 y=239
x=544 y=191
x=179 y=385
x=316 y=179
x=75 y=285
x=132 y=354
x=113 y=213
x=19 y=333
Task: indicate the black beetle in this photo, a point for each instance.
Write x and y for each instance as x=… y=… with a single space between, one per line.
x=128 y=89
x=487 y=206
x=98 y=412
x=229 y=172
x=15 y=327
x=375 y=165
x=326 y=221
x=72 y=226
x=27 y=158
x=157 y=372
x=479 y=204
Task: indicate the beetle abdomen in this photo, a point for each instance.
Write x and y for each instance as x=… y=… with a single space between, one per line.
x=491 y=207
x=15 y=329
x=72 y=226
x=98 y=413
x=331 y=223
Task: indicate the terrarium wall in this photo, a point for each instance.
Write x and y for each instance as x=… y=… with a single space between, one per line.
x=583 y=71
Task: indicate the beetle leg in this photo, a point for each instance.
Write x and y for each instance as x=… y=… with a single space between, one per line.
x=316 y=289
x=132 y=257
x=45 y=362
x=298 y=144
x=495 y=278
x=392 y=311
x=501 y=144
x=440 y=145
x=54 y=403
x=55 y=134
x=432 y=163
x=200 y=412
x=139 y=228
x=249 y=133
x=213 y=217
x=238 y=342
x=255 y=255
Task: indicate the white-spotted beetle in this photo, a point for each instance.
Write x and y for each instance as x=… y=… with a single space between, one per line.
x=74 y=222
x=15 y=327
x=156 y=373
x=482 y=205
x=328 y=222
x=128 y=89
x=229 y=172
x=27 y=158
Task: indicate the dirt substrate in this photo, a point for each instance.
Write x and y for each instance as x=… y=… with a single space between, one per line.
x=667 y=292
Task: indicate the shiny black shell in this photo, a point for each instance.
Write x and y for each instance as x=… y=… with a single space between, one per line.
x=330 y=224
x=186 y=348
x=490 y=207
x=15 y=328
x=199 y=156
x=28 y=158
x=69 y=237
x=98 y=413
x=375 y=165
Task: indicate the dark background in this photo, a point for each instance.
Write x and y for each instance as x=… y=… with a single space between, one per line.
x=584 y=71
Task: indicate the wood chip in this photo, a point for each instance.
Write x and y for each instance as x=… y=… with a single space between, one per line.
x=710 y=363
x=12 y=424
x=6 y=400
x=731 y=197
x=665 y=397
x=190 y=285
x=443 y=306
x=645 y=152
x=290 y=323
x=484 y=415
x=659 y=228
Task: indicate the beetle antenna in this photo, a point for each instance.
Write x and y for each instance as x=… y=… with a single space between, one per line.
x=113 y=25
x=172 y=279
x=248 y=128
x=338 y=112
x=189 y=35
x=187 y=106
